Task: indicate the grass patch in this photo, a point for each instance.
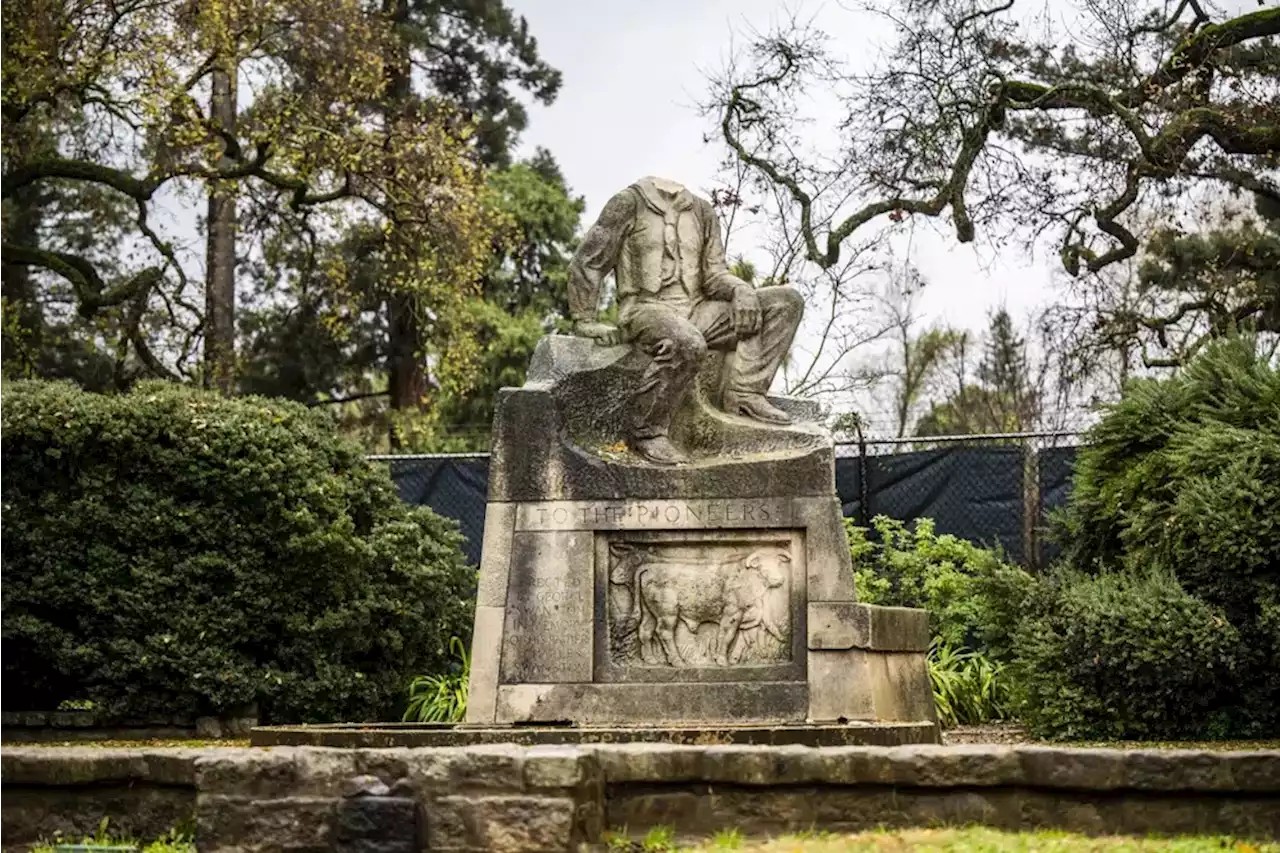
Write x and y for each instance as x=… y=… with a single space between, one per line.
x=177 y=840
x=982 y=840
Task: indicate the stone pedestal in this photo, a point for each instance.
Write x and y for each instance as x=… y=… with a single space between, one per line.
x=615 y=592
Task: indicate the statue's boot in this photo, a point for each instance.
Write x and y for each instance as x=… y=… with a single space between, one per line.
x=754 y=406
x=659 y=450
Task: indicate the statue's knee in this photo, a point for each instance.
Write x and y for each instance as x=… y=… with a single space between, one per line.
x=690 y=347
x=789 y=300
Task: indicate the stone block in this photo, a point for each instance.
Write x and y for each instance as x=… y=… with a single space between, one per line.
x=495 y=554
x=1082 y=769
x=375 y=824
x=557 y=767
x=452 y=770
x=652 y=704
x=900 y=686
x=898 y=629
x=486 y=655
x=827 y=546
x=837 y=625
x=502 y=824
x=549 y=623
x=248 y=825
x=840 y=686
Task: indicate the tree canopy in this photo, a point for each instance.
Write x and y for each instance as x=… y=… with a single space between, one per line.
x=970 y=117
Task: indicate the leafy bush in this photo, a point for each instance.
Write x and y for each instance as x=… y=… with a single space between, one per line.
x=1123 y=655
x=972 y=595
x=974 y=599
x=1183 y=476
x=968 y=686
x=441 y=698
x=169 y=551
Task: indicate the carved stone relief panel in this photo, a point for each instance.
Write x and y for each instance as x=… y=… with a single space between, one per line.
x=701 y=601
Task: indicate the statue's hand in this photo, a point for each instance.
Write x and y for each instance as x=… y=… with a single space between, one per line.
x=746 y=312
x=602 y=333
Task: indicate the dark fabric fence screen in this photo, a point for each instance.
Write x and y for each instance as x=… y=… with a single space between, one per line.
x=976 y=493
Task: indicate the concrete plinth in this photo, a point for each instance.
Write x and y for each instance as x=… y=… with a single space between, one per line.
x=615 y=592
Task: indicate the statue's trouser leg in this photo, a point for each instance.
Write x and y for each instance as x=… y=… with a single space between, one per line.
x=759 y=356
x=676 y=347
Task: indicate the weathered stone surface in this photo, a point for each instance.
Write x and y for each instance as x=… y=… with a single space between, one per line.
x=657 y=514
x=294 y=823
x=549 y=624
x=379 y=737
x=552 y=798
x=838 y=625
x=502 y=824
x=898 y=629
x=653 y=704
x=486 y=652
x=714 y=606
x=544 y=468
x=376 y=824
x=495 y=555
x=900 y=685
x=840 y=686
x=827 y=546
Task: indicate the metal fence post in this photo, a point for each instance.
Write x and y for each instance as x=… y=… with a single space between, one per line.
x=864 y=496
x=1030 y=504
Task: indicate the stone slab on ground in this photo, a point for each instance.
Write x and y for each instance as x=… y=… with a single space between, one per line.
x=516 y=798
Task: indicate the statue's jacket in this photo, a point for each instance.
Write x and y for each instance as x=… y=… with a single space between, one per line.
x=662 y=247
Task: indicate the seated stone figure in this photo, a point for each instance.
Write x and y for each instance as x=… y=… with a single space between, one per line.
x=676 y=300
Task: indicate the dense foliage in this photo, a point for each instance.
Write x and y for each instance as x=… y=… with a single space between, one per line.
x=1181 y=479
x=965 y=588
x=974 y=600
x=170 y=551
x=1126 y=655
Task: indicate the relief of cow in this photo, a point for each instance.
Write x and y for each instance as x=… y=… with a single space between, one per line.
x=729 y=594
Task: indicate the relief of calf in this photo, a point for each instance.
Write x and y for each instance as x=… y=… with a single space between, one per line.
x=729 y=594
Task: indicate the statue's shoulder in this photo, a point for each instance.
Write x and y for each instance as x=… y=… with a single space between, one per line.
x=622 y=206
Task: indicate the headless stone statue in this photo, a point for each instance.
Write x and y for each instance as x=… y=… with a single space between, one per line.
x=677 y=299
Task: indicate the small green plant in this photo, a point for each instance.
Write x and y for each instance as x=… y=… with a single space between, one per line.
x=728 y=839
x=76 y=705
x=659 y=839
x=968 y=687
x=441 y=698
x=176 y=840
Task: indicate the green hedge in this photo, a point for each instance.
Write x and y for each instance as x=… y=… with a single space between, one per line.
x=1123 y=655
x=170 y=551
x=1175 y=506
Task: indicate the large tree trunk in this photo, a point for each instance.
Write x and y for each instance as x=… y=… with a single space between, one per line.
x=406 y=369
x=220 y=275
x=407 y=376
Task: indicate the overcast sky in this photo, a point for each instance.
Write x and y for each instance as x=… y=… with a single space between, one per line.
x=633 y=74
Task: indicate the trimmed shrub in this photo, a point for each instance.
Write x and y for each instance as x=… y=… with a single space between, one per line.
x=1182 y=476
x=169 y=551
x=1122 y=655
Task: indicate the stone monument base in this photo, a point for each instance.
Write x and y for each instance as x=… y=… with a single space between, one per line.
x=389 y=735
x=617 y=593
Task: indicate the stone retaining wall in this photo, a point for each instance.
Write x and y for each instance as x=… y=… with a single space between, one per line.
x=545 y=798
x=61 y=726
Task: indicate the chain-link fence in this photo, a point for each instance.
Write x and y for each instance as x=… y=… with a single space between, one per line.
x=995 y=490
